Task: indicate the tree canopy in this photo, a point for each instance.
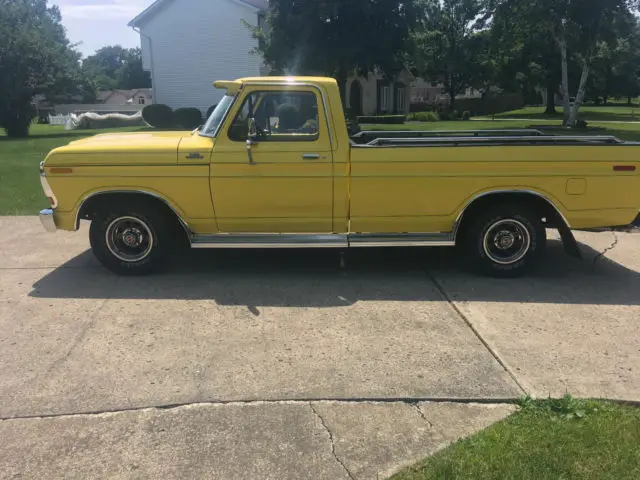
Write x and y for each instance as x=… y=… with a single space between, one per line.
x=115 y=67
x=337 y=37
x=36 y=58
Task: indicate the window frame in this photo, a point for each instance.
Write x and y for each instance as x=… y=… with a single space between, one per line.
x=281 y=138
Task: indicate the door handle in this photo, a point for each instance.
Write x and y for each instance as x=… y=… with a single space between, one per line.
x=311 y=156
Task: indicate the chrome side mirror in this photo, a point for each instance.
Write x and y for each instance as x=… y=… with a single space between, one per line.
x=252 y=137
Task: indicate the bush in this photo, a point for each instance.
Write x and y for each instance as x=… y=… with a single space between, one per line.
x=386 y=119
x=187 y=118
x=158 y=115
x=421 y=107
x=425 y=117
x=211 y=109
x=466 y=115
x=446 y=116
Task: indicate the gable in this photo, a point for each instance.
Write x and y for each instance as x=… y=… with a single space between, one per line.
x=148 y=14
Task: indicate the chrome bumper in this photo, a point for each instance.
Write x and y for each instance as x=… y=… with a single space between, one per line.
x=46 y=217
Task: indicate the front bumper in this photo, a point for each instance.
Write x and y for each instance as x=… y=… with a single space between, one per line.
x=46 y=217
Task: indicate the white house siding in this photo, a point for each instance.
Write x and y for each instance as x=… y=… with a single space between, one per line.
x=195 y=42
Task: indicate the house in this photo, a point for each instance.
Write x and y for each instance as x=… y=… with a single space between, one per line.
x=139 y=96
x=374 y=94
x=187 y=44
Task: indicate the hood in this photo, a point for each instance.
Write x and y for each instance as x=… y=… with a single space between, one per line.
x=120 y=148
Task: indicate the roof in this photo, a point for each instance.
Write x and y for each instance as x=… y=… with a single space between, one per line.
x=234 y=85
x=104 y=95
x=155 y=7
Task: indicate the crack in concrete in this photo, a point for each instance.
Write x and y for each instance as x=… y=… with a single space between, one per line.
x=421 y=413
x=602 y=254
x=469 y=323
x=333 y=445
x=300 y=401
x=79 y=338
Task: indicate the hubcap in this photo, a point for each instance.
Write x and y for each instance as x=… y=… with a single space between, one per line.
x=129 y=239
x=506 y=241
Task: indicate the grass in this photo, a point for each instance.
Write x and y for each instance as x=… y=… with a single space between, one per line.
x=590 y=113
x=20 y=190
x=550 y=439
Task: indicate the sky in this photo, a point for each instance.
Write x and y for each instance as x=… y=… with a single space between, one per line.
x=97 y=23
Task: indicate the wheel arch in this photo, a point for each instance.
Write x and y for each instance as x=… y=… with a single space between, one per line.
x=543 y=204
x=90 y=204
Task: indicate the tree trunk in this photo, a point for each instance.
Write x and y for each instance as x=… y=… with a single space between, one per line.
x=551 y=99
x=582 y=89
x=605 y=99
x=566 y=99
x=17 y=126
x=629 y=100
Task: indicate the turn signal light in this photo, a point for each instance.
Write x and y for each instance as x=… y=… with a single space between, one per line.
x=624 y=168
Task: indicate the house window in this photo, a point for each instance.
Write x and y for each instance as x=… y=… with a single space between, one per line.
x=385 y=98
x=140 y=100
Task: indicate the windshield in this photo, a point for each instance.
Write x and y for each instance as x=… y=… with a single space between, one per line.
x=210 y=128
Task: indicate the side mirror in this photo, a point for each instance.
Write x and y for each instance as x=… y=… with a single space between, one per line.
x=253 y=130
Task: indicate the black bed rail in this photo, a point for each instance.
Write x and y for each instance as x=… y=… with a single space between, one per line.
x=497 y=140
x=445 y=133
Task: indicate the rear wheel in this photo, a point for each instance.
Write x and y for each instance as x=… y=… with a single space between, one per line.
x=504 y=241
x=130 y=241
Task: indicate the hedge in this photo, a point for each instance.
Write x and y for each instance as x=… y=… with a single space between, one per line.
x=158 y=115
x=395 y=119
x=187 y=118
x=489 y=105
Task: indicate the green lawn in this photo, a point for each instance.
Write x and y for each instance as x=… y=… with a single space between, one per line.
x=20 y=191
x=587 y=112
x=551 y=439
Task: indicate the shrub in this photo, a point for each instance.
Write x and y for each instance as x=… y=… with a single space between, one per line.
x=466 y=115
x=386 y=119
x=426 y=117
x=445 y=116
x=211 y=109
x=455 y=115
x=421 y=107
x=158 y=115
x=187 y=118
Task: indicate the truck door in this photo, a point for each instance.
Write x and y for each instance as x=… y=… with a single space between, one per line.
x=285 y=184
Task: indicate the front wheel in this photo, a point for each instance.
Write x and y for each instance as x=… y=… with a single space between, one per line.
x=129 y=242
x=505 y=241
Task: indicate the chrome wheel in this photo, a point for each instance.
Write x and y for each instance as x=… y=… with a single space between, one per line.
x=506 y=241
x=129 y=239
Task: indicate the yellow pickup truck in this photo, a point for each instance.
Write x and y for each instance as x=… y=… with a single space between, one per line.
x=275 y=167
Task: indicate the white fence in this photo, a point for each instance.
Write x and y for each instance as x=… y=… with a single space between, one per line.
x=59 y=119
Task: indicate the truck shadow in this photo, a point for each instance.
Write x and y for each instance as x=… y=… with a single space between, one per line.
x=315 y=278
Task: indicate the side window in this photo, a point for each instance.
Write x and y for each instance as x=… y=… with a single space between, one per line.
x=285 y=116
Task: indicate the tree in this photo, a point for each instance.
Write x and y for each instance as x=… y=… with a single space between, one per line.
x=116 y=67
x=336 y=37
x=577 y=27
x=36 y=58
x=449 y=46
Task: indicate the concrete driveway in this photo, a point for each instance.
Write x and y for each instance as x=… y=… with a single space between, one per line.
x=281 y=364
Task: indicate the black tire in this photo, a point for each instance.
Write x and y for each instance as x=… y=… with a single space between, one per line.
x=504 y=241
x=131 y=240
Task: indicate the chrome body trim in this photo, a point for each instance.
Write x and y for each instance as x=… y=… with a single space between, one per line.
x=458 y=220
x=144 y=192
x=531 y=140
x=401 y=240
x=46 y=218
x=276 y=240
x=46 y=187
x=299 y=84
x=435 y=133
x=261 y=240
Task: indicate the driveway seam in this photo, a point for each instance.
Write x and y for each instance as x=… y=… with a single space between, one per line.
x=407 y=401
x=469 y=323
x=333 y=445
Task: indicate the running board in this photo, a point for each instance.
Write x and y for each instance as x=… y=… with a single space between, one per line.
x=229 y=240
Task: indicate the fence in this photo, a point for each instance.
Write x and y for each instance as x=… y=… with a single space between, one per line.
x=59 y=119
